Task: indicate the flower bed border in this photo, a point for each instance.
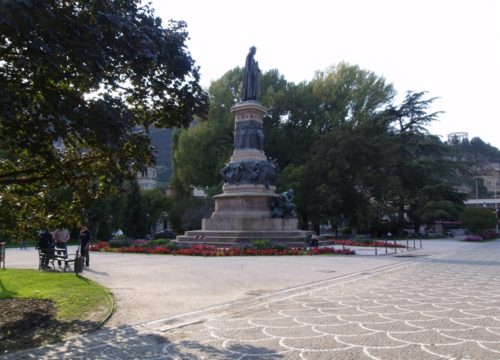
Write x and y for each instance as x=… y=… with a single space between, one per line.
x=210 y=250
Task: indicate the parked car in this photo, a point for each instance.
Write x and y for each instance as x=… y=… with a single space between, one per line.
x=165 y=234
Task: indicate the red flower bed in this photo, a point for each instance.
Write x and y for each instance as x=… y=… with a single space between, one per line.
x=473 y=238
x=210 y=250
x=99 y=245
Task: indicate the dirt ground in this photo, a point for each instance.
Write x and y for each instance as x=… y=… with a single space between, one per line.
x=29 y=323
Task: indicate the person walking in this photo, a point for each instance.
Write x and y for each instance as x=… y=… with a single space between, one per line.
x=61 y=237
x=85 y=244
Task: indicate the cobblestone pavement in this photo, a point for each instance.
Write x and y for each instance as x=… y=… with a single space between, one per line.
x=440 y=307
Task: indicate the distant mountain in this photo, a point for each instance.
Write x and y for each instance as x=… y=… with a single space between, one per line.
x=480 y=164
x=476 y=151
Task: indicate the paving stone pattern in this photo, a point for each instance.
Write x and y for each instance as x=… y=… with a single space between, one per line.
x=441 y=307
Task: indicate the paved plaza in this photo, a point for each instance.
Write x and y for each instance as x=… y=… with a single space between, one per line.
x=436 y=305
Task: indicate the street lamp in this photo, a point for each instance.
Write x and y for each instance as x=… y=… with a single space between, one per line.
x=496 y=209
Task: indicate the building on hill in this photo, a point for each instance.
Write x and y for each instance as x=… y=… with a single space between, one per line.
x=458 y=137
x=148 y=178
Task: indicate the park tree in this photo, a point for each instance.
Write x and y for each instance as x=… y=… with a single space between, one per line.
x=202 y=150
x=435 y=201
x=478 y=219
x=156 y=206
x=134 y=218
x=348 y=94
x=344 y=99
x=345 y=176
x=418 y=172
x=80 y=83
x=105 y=215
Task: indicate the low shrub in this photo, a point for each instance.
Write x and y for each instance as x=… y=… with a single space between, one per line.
x=159 y=242
x=473 y=238
x=173 y=245
x=120 y=242
x=488 y=235
x=279 y=247
x=140 y=242
x=261 y=244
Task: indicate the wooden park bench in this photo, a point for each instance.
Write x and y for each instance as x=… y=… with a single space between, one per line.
x=49 y=256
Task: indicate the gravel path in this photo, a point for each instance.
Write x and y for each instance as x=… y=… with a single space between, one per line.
x=445 y=305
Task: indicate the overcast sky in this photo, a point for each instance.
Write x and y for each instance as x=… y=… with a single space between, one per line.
x=450 y=48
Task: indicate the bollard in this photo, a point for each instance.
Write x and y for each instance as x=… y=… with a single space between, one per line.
x=395 y=249
x=78 y=266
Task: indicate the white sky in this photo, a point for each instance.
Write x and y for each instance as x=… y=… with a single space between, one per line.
x=450 y=48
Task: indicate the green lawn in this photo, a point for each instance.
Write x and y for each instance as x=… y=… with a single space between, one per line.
x=39 y=308
x=74 y=296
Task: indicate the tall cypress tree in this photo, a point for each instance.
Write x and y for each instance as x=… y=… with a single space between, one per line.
x=135 y=219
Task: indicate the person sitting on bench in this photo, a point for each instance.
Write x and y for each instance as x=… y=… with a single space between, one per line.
x=61 y=237
x=46 y=246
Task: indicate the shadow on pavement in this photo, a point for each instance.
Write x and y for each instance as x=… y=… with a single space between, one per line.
x=465 y=262
x=129 y=343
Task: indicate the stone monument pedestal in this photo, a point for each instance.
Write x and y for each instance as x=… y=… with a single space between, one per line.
x=243 y=212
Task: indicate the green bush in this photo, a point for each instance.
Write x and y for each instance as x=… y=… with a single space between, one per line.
x=120 y=241
x=159 y=242
x=261 y=244
x=173 y=245
x=478 y=219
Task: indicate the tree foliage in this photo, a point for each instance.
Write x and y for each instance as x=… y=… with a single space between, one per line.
x=346 y=174
x=78 y=80
x=134 y=218
x=202 y=150
x=417 y=165
x=478 y=219
x=349 y=95
x=353 y=156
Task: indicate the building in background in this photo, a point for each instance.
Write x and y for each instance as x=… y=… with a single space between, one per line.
x=148 y=178
x=160 y=174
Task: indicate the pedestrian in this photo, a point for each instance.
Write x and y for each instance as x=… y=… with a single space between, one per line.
x=85 y=244
x=46 y=246
x=61 y=237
